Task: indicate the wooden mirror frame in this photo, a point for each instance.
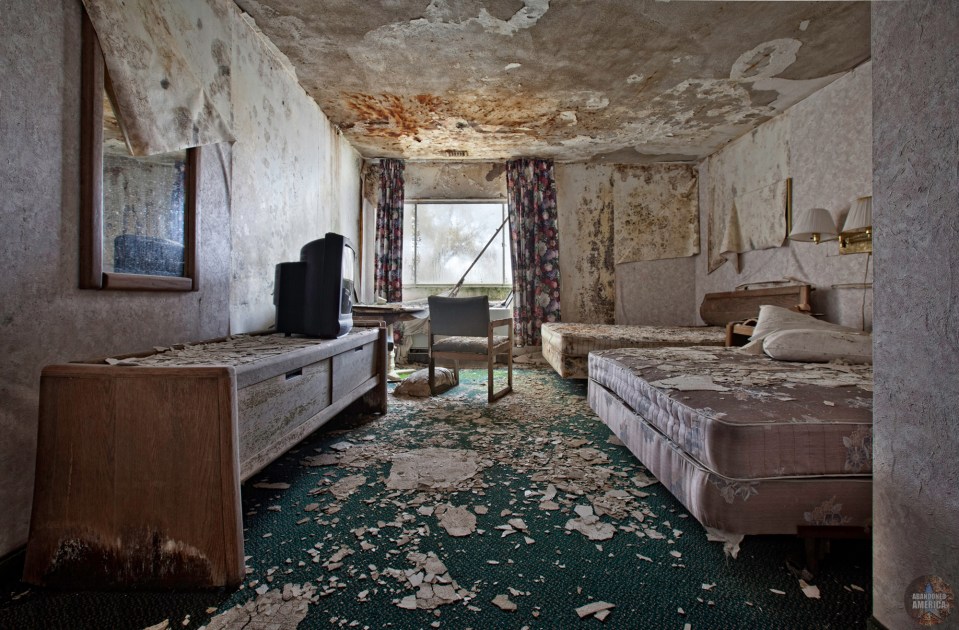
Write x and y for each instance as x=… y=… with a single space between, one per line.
x=92 y=276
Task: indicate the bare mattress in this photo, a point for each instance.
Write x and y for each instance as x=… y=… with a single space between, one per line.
x=748 y=444
x=567 y=346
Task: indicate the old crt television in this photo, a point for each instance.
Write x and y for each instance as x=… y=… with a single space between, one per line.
x=314 y=296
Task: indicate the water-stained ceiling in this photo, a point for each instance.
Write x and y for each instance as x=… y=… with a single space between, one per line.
x=622 y=81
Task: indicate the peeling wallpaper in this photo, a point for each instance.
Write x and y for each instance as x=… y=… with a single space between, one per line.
x=744 y=196
x=294 y=176
x=44 y=317
x=584 y=196
x=656 y=212
x=169 y=64
x=455 y=180
x=600 y=291
x=828 y=154
x=916 y=410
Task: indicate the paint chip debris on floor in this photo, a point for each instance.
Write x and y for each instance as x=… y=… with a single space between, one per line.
x=449 y=512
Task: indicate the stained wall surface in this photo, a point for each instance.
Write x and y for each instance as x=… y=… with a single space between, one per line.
x=916 y=214
x=294 y=175
x=595 y=289
x=584 y=197
x=44 y=317
x=828 y=155
x=455 y=180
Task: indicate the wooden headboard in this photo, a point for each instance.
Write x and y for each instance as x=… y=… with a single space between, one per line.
x=719 y=309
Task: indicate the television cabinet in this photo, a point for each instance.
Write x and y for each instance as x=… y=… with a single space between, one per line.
x=140 y=458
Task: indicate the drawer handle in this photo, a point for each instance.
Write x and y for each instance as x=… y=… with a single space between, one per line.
x=294 y=373
x=358 y=349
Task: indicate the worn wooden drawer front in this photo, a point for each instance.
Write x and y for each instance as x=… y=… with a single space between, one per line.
x=274 y=407
x=352 y=368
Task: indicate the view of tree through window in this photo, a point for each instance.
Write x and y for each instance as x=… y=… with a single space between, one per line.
x=440 y=241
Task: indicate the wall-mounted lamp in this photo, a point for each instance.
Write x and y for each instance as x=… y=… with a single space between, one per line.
x=814 y=225
x=856 y=235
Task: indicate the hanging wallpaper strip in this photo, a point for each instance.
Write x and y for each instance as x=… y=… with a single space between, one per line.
x=656 y=212
x=169 y=67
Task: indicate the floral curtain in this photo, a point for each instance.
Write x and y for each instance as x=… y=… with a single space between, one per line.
x=534 y=236
x=388 y=270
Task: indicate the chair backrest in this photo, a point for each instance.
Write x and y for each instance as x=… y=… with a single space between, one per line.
x=466 y=316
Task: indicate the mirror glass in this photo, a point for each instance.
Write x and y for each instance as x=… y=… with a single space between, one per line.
x=144 y=203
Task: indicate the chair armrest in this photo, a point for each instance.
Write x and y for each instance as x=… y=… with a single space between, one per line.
x=496 y=323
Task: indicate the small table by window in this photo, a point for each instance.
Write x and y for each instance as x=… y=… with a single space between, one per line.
x=391 y=313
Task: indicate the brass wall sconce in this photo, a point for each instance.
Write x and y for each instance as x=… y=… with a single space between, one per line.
x=856 y=234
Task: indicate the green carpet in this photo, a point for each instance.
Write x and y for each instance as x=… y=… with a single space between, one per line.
x=369 y=540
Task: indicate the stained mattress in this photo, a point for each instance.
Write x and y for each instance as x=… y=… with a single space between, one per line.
x=567 y=346
x=748 y=444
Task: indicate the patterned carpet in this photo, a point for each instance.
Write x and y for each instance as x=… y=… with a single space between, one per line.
x=451 y=513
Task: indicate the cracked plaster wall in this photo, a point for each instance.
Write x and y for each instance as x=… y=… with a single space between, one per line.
x=916 y=409
x=294 y=175
x=44 y=317
x=828 y=154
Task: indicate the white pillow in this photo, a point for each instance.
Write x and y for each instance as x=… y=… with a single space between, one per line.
x=819 y=345
x=775 y=318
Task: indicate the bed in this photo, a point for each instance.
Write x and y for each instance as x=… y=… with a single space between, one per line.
x=566 y=346
x=747 y=444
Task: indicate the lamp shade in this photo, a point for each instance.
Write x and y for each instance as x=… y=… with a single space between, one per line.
x=860 y=215
x=814 y=225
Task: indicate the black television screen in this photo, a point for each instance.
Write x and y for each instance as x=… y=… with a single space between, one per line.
x=314 y=296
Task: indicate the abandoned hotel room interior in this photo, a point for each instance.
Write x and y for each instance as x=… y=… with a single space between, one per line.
x=492 y=313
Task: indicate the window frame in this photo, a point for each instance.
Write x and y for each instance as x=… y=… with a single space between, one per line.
x=507 y=262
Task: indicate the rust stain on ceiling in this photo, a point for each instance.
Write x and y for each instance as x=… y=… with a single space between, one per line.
x=624 y=80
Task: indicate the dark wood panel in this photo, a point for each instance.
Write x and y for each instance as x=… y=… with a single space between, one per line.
x=718 y=309
x=132 y=477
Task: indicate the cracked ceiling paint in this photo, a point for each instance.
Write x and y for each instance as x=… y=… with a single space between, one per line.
x=626 y=81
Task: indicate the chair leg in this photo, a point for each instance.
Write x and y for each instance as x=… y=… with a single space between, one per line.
x=432 y=376
x=493 y=397
x=490 y=357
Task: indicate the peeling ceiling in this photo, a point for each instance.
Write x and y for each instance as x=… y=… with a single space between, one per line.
x=625 y=81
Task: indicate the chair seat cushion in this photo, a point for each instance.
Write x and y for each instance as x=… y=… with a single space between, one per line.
x=471 y=345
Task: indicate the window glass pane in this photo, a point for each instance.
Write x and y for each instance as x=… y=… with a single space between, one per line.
x=447 y=239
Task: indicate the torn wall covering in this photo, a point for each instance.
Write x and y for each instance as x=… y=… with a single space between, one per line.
x=656 y=212
x=747 y=198
x=169 y=66
x=828 y=142
x=584 y=196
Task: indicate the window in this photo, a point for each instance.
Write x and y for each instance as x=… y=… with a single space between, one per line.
x=442 y=239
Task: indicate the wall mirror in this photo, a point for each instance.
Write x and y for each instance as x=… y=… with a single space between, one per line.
x=138 y=215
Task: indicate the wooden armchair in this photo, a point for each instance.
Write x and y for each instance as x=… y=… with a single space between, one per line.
x=461 y=330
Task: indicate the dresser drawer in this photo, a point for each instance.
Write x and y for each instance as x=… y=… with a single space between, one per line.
x=353 y=368
x=272 y=408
